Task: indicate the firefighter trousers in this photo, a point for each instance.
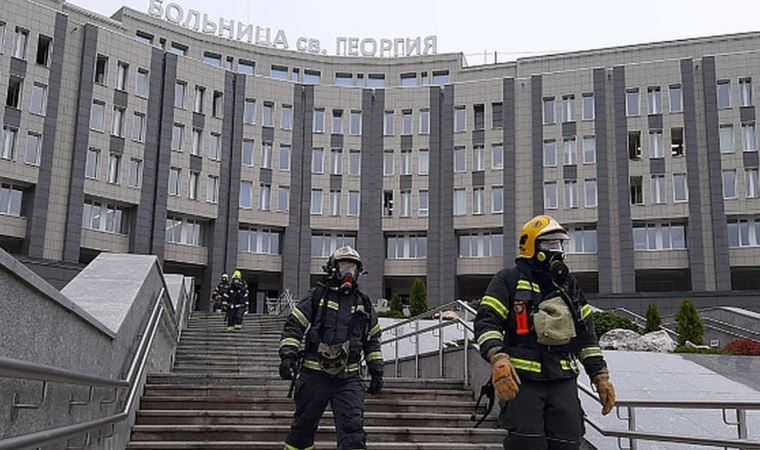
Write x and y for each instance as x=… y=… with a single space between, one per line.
x=235 y=316
x=314 y=390
x=545 y=415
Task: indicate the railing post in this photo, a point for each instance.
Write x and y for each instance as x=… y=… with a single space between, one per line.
x=395 y=344
x=440 y=346
x=741 y=423
x=632 y=426
x=416 y=349
x=465 y=358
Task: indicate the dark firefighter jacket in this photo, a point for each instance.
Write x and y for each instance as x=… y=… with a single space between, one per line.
x=236 y=296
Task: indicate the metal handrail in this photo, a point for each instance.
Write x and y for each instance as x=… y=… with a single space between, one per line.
x=432 y=312
x=137 y=368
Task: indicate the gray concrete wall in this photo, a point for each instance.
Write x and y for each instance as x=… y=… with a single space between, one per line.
x=92 y=327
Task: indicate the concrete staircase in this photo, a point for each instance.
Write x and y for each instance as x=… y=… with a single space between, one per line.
x=224 y=393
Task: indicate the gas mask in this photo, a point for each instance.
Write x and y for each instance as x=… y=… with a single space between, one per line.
x=550 y=252
x=347 y=274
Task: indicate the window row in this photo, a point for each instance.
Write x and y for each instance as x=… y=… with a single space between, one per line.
x=478 y=200
x=9 y=144
x=14 y=95
x=11 y=199
x=653 y=100
x=105 y=217
x=478 y=116
x=481 y=245
x=336 y=161
x=730 y=181
x=323 y=244
x=744 y=232
x=19 y=42
x=656 y=144
x=657 y=189
x=725 y=96
x=184 y=230
x=121 y=80
x=335 y=199
x=570 y=151
x=264 y=241
x=406 y=207
x=337 y=125
x=113 y=175
x=569 y=108
x=213 y=142
x=659 y=236
x=748 y=137
x=199 y=99
x=119 y=119
x=406 y=246
x=268 y=114
x=264 y=197
x=193 y=185
x=570 y=194
x=407 y=122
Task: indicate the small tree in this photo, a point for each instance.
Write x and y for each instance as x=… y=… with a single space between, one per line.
x=653 y=319
x=688 y=325
x=396 y=307
x=418 y=298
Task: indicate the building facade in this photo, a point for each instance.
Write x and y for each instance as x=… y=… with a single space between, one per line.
x=133 y=134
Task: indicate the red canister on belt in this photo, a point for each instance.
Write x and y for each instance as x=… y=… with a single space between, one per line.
x=521 y=318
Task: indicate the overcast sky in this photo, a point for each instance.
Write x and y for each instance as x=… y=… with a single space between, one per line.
x=511 y=28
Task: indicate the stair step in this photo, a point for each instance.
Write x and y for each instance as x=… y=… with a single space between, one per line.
x=281 y=391
x=324 y=445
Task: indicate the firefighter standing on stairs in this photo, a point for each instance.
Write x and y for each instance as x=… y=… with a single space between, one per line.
x=220 y=293
x=534 y=328
x=339 y=324
x=235 y=303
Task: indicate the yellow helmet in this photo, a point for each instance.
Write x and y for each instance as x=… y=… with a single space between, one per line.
x=536 y=227
x=237 y=275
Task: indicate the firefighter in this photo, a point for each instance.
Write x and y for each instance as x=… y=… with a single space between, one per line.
x=220 y=292
x=236 y=302
x=534 y=327
x=339 y=324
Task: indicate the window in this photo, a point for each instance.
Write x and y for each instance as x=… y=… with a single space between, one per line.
x=460 y=202
x=745 y=91
x=481 y=245
x=319 y=121
x=440 y=77
x=406 y=122
x=478 y=158
x=43 y=49
x=249 y=111
x=480 y=116
x=408 y=79
x=743 y=233
x=15 y=87
x=2 y=36
x=406 y=162
x=549 y=111
x=729 y=184
x=478 y=199
x=726 y=138
x=122 y=72
x=589 y=187
x=354 y=162
x=654 y=100
x=460 y=158
x=175 y=175
x=680 y=189
x=197 y=144
x=323 y=244
x=676 y=98
x=141 y=83
x=657 y=237
x=267 y=115
x=279 y=72
x=749 y=137
x=317 y=160
x=569 y=157
x=266 y=155
x=192 y=186
x=246 y=194
x=180 y=90
x=103 y=217
x=589 y=149
x=138 y=127
x=286 y=117
x=19 y=46
x=634 y=144
x=217 y=105
x=117 y=129
x=284 y=158
x=101 y=70
x=39 y=94
x=656 y=146
x=283 y=199
x=388 y=163
x=387 y=203
x=497 y=116
x=460 y=119
x=337 y=121
x=200 y=94
x=724 y=94
x=355 y=125
x=9 y=143
x=212 y=59
x=568 y=108
x=497 y=199
x=424 y=121
x=212 y=189
x=258 y=240
x=550 y=153
x=316 y=201
x=265 y=197
x=336 y=161
x=135 y=172
x=550 y=195
x=422 y=211
x=406 y=203
x=311 y=77
x=406 y=246
x=183 y=231
x=632 y=102
x=178 y=137
x=582 y=240
x=676 y=142
x=389 y=123
x=91 y=166
x=571 y=194
x=344 y=79
x=246 y=67
x=497 y=156
x=10 y=199
x=178 y=49
x=353 y=203
x=637 y=190
x=376 y=80
x=658 y=189
x=33 y=149
x=214 y=146
x=114 y=166
x=588 y=107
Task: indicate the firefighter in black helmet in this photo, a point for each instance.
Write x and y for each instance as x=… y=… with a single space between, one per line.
x=535 y=328
x=342 y=325
x=220 y=293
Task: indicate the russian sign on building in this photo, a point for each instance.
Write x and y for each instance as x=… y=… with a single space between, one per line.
x=266 y=37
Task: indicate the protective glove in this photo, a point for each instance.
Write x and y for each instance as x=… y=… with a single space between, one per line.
x=606 y=391
x=505 y=380
x=375 y=384
x=287 y=368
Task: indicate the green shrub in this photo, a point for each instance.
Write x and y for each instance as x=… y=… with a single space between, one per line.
x=689 y=325
x=702 y=351
x=653 y=319
x=418 y=298
x=605 y=321
x=397 y=308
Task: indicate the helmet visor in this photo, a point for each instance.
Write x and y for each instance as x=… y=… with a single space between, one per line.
x=347 y=268
x=551 y=245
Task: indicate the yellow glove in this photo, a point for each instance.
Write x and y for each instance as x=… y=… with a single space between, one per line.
x=606 y=391
x=506 y=383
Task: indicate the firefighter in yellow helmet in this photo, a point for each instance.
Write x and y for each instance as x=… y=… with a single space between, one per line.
x=236 y=302
x=535 y=329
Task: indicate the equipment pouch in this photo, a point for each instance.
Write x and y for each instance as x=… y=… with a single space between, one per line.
x=554 y=322
x=334 y=357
